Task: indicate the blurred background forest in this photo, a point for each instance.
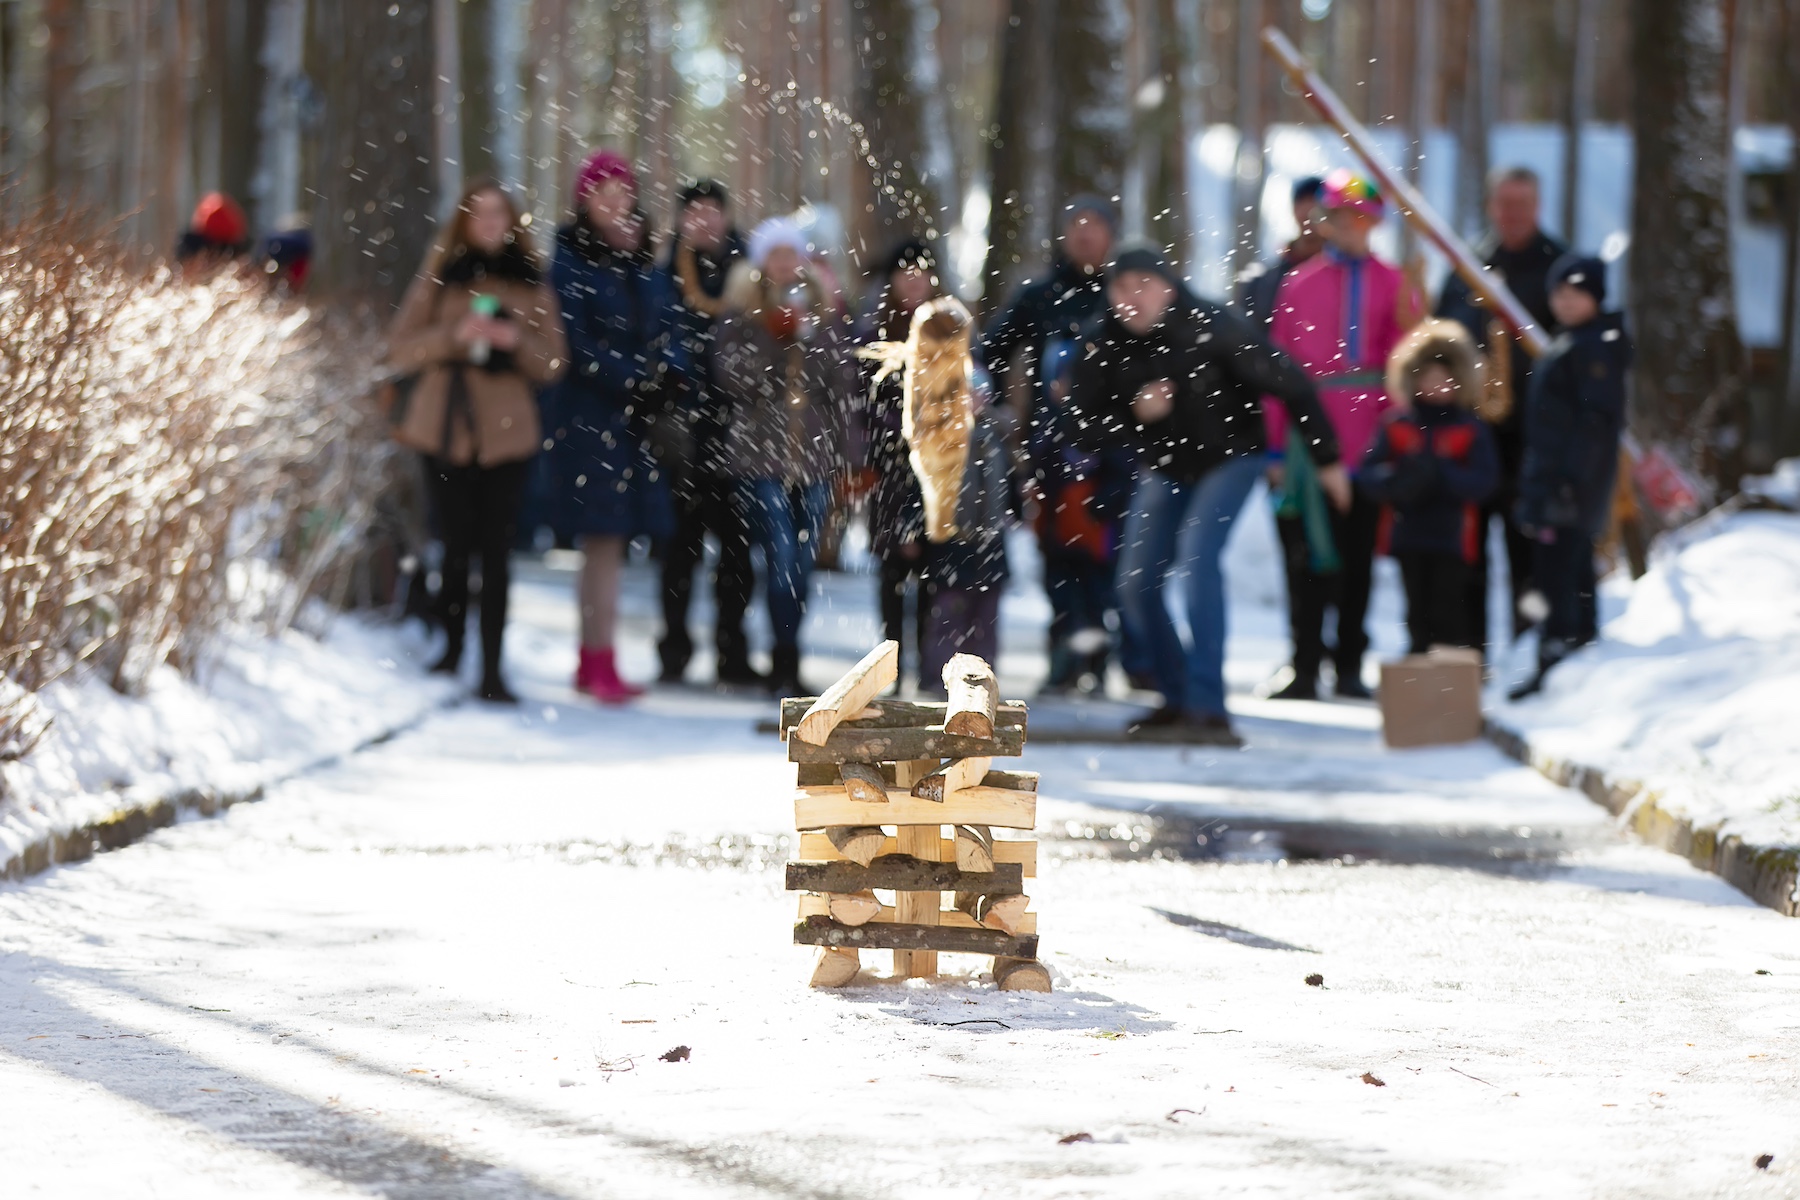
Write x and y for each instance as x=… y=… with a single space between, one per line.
x=965 y=121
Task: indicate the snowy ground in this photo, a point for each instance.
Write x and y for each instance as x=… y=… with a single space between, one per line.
x=261 y=710
x=447 y=967
x=1695 y=688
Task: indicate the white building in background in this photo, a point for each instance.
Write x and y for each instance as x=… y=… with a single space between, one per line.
x=1603 y=214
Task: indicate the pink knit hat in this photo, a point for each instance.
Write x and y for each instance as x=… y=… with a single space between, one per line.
x=601 y=166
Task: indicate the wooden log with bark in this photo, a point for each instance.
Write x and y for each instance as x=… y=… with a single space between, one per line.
x=819 y=847
x=904 y=714
x=863 y=782
x=883 y=935
x=1021 y=974
x=903 y=873
x=854 y=743
x=974 y=696
x=952 y=777
x=858 y=843
x=811 y=904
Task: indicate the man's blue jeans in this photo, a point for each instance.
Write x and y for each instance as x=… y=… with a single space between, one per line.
x=785 y=521
x=1180 y=531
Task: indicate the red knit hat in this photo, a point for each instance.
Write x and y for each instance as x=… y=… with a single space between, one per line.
x=601 y=166
x=219 y=220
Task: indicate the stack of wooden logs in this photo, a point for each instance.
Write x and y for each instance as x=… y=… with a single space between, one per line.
x=903 y=797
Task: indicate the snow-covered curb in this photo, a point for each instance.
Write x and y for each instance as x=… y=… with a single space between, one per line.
x=1769 y=875
x=112 y=768
x=1683 y=719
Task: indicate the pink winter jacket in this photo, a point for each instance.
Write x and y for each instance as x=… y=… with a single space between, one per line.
x=1347 y=359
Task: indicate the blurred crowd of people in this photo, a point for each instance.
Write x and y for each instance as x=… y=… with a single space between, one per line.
x=711 y=389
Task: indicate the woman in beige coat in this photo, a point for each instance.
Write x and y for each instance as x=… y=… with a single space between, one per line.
x=477 y=334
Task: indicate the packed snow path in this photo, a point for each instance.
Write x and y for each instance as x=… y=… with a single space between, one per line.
x=448 y=968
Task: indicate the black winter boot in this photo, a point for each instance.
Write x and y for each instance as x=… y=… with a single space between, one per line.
x=784 y=671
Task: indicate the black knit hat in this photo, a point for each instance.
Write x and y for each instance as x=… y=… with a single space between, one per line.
x=1309 y=187
x=1145 y=256
x=703 y=189
x=1583 y=271
x=910 y=253
x=1090 y=202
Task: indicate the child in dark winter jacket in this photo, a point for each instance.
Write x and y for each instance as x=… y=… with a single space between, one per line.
x=965 y=575
x=1573 y=426
x=1431 y=465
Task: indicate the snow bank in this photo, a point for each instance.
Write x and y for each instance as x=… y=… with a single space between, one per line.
x=1694 y=688
x=264 y=709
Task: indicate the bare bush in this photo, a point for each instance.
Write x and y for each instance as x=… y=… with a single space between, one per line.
x=174 y=454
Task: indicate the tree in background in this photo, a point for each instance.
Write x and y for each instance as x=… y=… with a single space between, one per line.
x=1689 y=380
x=372 y=161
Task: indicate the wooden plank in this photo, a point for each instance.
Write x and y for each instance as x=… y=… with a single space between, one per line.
x=1020 y=974
x=814 y=905
x=821 y=807
x=835 y=967
x=851 y=694
x=849 y=744
x=917 y=907
x=974 y=849
x=858 y=843
x=827 y=774
x=905 y=714
x=903 y=873
x=864 y=782
x=817 y=847
x=908 y=772
x=974 y=696
x=952 y=777
x=884 y=935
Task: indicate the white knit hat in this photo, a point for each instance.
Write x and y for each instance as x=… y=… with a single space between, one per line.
x=775 y=232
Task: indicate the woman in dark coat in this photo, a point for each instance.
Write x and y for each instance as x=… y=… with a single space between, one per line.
x=477 y=332
x=896 y=511
x=618 y=310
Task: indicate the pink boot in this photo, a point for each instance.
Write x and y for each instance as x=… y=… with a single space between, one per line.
x=602 y=682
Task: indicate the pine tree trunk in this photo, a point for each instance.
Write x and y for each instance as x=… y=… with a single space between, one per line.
x=892 y=114
x=1093 y=113
x=1021 y=102
x=371 y=162
x=1790 y=433
x=1690 y=364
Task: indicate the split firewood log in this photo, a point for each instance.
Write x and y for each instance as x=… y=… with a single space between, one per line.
x=835 y=967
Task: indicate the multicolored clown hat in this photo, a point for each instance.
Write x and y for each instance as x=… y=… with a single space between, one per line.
x=1344 y=188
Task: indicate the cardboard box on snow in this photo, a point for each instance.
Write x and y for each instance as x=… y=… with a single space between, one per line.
x=1432 y=699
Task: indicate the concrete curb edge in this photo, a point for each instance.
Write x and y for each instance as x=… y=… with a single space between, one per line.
x=138 y=819
x=1769 y=875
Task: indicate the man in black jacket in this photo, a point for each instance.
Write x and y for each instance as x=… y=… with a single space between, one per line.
x=1181 y=381
x=1045 y=313
x=1521 y=253
x=704 y=250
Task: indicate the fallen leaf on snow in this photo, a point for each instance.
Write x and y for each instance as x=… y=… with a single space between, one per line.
x=1763 y=1161
x=1174 y=1112
x=1368 y=1077
x=1072 y=1138
x=1315 y=981
x=678 y=1054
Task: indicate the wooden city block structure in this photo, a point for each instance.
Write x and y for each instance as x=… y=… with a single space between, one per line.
x=903 y=799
